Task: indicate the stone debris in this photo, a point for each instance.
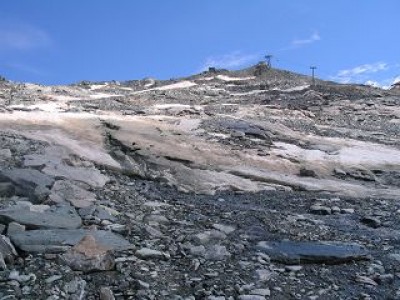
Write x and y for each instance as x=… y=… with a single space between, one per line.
x=226 y=185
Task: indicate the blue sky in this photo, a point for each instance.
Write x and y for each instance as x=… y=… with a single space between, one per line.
x=64 y=41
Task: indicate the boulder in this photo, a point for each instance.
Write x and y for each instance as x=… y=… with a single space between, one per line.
x=90 y=176
x=59 y=240
x=63 y=190
x=88 y=256
x=56 y=217
x=7 y=251
x=27 y=182
x=293 y=252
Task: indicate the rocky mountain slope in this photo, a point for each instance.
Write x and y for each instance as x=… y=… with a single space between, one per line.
x=248 y=184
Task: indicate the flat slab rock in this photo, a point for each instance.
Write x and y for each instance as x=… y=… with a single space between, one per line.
x=56 y=217
x=293 y=252
x=58 y=240
x=90 y=176
x=26 y=177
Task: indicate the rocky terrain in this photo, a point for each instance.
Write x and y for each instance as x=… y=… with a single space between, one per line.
x=247 y=185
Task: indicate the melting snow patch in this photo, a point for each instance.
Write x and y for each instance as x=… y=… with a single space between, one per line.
x=97 y=86
x=179 y=85
x=166 y=106
x=227 y=78
x=294 y=89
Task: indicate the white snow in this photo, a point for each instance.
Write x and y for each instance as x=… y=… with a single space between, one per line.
x=294 y=89
x=179 y=85
x=166 y=106
x=97 y=86
x=227 y=78
x=207 y=78
x=47 y=107
x=355 y=153
x=100 y=96
x=248 y=93
x=63 y=98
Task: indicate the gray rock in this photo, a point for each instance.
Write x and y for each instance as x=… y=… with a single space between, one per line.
x=7 y=251
x=53 y=278
x=155 y=218
x=106 y=294
x=216 y=252
x=251 y=297
x=27 y=181
x=263 y=275
x=104 y=214
x=224 y=228
x=293 y=268
x=58 y=240
x=63 y=190
x=7 y=189
x=3 y=265
x=76 y=288
x=347 y=210
x=88 y=256
x=146 y=253
x=339 y=172
x=208 y=237
x=26 y=177
x=395 y=256
x=198 y=250
x=64 y=217
x=6 y=248
x=14 y=275
x=261 y=292
x=304 y=172
x=292 y=252
x=5 y=154
x=320 y=209
x=14 y=227
x=40 y=194
x=90 y=176
x=2 y=228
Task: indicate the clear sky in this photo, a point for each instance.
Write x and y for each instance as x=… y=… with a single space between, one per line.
x=65 y=41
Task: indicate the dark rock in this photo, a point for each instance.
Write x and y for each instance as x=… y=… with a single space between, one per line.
x=7 y=251
x=371 y=222
x=293 y=252
x=58 y=240
x=7 y=189
x=26 y=177
x=28 y=182
x=307 y=173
